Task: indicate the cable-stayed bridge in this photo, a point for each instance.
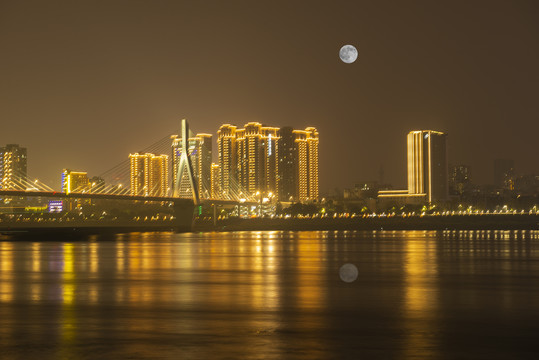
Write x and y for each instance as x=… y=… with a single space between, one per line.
x=110 y=201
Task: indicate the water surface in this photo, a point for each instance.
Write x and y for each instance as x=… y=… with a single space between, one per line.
x=272 y=295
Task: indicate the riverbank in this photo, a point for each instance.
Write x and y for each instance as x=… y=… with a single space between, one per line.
x=455 y=222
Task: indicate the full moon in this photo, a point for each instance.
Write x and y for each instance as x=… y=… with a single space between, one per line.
x=348 y=54
x=348 y=273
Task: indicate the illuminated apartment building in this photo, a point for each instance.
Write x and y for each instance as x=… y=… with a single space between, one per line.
x=215 y=183
x=287 y=165
x=312 y=142
x=427 y=164
x=75 y=181
x=13 y=165
x=200 y=152
x=256 y=158
x=307 y=163
x=226 y=144
x=270 y=179
x=149 y=174
x=282 y=163
x=204 y=149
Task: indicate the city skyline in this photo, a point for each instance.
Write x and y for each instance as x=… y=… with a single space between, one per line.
x=450 y=179
x=258 y=162
x=71 y=86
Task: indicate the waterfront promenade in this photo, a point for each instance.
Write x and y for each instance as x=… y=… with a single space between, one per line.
x=427 y=222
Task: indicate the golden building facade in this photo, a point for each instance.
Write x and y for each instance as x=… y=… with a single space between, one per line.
x=427 y=164
x=307 y=164
x=226 y=145
x=149 y=174
x=13 y=166
x=257 y=160
x=75 y=181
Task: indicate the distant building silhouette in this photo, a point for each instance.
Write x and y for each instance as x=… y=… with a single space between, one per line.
x=97 y=184
x=459 y=179
x=504 y=174
x=287 y=176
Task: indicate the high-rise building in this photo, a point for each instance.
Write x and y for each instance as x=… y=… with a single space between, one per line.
x=13 y=167
x=200 y=152
x=459 y=179
x=427 y=164
x=257 y=158
x=307 y=163
x=504 y=174
x=287 y=165
x=226 y=144
x=204 y=148
x=215 y=183
x=271 y=162
x=312 y=142
x=149 y=174
x=75 y=181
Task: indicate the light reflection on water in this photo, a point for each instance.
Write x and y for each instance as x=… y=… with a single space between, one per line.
x=421 y=292
x=271 y=295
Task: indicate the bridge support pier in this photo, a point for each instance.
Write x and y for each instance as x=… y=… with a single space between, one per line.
x=214 y=214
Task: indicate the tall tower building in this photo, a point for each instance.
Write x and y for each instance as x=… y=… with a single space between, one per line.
x=256 y=158
x=287 y=162
x=312 y=142
x=75 y=181
x=244 y=153
x=427 y=164
x=270 y=161
x=249 y=157
x=226 y=144
x=13 y=167
x=149 y=174
x=307 y=163
x=204 y=149
x=200 y=151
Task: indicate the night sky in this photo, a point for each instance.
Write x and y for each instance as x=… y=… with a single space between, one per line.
x=83 y=84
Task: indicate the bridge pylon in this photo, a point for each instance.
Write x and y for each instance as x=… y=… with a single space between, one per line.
x=186 y=165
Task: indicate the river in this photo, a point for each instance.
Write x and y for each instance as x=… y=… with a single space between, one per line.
x=272 y=295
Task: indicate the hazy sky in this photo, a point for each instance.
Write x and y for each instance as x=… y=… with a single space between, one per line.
x=84 y=83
